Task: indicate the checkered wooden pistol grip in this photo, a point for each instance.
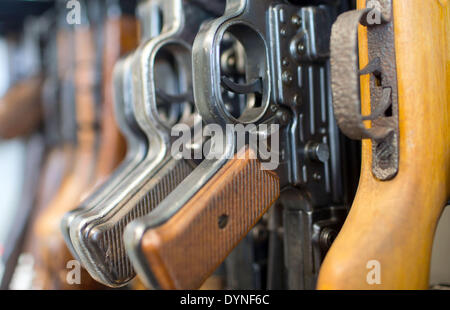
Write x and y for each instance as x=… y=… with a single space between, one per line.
x=186 y=249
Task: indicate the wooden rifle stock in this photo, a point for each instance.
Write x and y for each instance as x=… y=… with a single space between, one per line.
x=52 y=253
x=20 y=108
x=393 y=222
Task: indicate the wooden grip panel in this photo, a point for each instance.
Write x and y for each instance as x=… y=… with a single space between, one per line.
x=186 y=249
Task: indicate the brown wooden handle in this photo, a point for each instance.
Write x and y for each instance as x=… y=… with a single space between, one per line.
x=20 y=108
x=387 y=238
x=186 y=249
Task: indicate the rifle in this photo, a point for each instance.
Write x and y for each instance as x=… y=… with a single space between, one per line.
x=20 y=108
x=387 y=238
x=52 y=254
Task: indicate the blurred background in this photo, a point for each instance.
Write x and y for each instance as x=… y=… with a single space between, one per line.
x=58 y=135
x=20 y=59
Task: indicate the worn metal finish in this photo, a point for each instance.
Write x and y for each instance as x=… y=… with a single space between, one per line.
x=292 y=85
x=313 y=169
x=308 y=234
x=97 y=233
x=124 y=111
x=210 y=104
x=136 y=149
x=383 y=84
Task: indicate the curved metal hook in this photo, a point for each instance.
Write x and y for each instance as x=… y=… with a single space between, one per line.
x=345 y=79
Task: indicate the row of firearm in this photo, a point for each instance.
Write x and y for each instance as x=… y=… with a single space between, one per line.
x=192 y=143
